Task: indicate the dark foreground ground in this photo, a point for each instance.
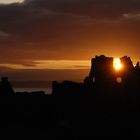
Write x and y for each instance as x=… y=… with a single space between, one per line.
x=67 y=117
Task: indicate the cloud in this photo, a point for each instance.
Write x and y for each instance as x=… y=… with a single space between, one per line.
x=45 y=75
x=4 y=34
x=132 y=16
x=94 y=8
x=51 y=29
x=10 y=1
x=50 y=64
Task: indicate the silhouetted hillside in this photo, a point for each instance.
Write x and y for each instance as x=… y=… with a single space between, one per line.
x=106 y=103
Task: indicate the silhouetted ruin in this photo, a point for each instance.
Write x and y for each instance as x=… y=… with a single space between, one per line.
x=102 y=75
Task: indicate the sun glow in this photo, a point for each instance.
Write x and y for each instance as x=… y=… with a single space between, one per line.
x=117 y=64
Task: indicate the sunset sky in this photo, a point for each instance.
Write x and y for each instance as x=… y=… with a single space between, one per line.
x=55 y=39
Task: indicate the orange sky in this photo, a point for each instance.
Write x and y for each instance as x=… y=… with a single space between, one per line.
x=64 y=35
x=52 y=64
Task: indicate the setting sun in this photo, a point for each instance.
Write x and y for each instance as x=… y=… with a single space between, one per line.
x=117 y=64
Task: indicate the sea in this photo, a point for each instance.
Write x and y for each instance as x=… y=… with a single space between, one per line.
x=32 y=86
x=28 y=89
